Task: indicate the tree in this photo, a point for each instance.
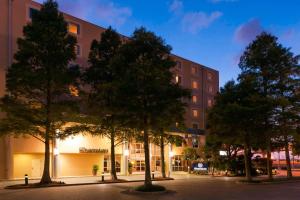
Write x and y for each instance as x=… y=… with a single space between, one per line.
x=145 y=84
x=161 y=138
x=286 y=98
x=103 y=78
x=237 y=114
x=275 y=71
x=169 y=119
x=40 y=84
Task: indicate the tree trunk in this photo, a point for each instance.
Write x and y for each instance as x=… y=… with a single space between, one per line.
x=269 y=160
x=247 y=162
x=162 y=156
x=46 y=179
x=287 y=157
x=113 y=172
x=148 y=182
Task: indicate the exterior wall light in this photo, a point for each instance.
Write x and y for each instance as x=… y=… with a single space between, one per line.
x=56 y=151
x=171 y=154
x=126 y=152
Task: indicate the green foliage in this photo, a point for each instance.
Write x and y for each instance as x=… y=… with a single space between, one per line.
x=39 y=99
x=38 y=82
x=95 y=167
x=190 y=154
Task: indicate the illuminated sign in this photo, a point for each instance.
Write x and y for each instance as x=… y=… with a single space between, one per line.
x=85 y=150
x=200 y=167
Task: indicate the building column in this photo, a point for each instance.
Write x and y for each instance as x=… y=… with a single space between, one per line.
x=150 y=155
x=9 y=157
x=170 y=159
x=55 y=156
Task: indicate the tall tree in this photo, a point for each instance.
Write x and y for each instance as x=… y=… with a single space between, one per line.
x=236 y=113
x=285 y=89
x=170 y=119
x=40 y=84
x=145 y=85
x=259 y=63
x=103 y=77
x=276 y=73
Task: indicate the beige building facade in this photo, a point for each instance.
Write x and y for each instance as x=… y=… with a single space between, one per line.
x=75 y=156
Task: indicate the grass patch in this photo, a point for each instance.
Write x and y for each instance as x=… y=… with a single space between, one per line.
x=152 y=188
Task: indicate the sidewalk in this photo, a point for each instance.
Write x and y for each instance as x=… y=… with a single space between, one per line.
x=90 y=179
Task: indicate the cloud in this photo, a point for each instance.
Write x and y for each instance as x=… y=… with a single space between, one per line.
x=193 y=22
x=102 y=11
x=248 y=31
x=176 y=6
x=288 y=34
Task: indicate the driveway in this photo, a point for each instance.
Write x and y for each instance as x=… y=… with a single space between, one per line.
x=187 y=188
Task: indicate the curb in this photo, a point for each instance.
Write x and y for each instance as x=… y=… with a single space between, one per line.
x=267 y=182
x=14 y=187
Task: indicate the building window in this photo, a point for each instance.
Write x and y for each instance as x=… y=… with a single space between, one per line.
x=77 y=50
x=177 y=163
x=195 y=142
x=195 y=113
x=178 y=64
x=194 y=70
x=210 y=89
x=155 y=163
x=178 y=79
x=194 y=99
x=138 y=165
x=209 y=103
x=74 y=28
x=195 y=85
x=209 y=76
x=32 y=11
x=137 y=150
x=195 y=126
x=107 y=162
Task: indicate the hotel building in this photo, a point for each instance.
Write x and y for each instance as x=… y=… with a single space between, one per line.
x=75 y=156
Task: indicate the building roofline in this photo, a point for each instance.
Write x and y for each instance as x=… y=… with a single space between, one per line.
x=127 y=37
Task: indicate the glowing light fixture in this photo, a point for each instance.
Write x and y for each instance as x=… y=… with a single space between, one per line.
x=171 y=154
x=56 y=151
x=126 y=152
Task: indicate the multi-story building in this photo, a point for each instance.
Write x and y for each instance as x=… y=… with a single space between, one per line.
x=76 y=155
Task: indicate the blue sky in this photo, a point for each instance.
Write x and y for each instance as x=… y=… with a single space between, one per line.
x=211 y=32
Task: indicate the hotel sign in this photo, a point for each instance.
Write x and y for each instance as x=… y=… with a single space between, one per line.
x=86 y=150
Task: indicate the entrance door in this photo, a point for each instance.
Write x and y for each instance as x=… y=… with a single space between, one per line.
x=36 y=168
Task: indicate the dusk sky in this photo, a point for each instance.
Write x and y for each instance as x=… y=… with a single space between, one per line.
x=211 y=32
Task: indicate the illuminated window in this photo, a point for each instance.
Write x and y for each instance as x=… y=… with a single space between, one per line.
x=210 y=89
x=195 y=142
x=194 y=70
x=195 y=85
x=195 y=113
x=194 y=99
x=178 y=79
x=74 y=28
x=77 y=50
x=209 y=102
x=73 y=91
